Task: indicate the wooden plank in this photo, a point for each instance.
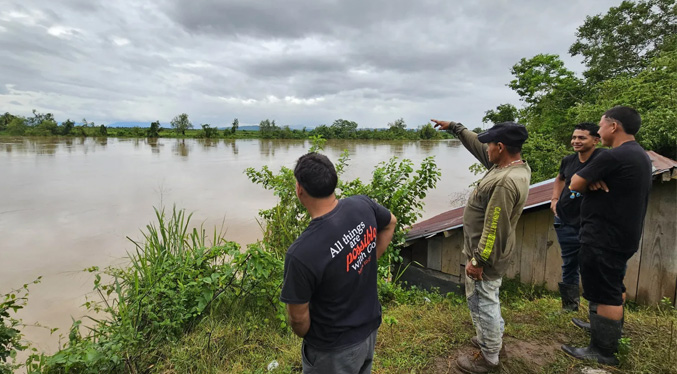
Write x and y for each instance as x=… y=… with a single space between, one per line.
x=452 y=253
x=658 y=267
x=435 y=252
x=529 y=249
x=553 y=254
x=542 y=219
x=516 y=258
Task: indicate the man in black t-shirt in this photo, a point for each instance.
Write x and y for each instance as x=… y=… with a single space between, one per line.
x=615 y=187
x=567 y=209
x=330 y=272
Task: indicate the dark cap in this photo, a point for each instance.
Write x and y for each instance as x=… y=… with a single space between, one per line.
x=508 y=133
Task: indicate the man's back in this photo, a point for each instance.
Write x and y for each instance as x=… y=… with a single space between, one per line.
x=614 y=219
x=333 y=265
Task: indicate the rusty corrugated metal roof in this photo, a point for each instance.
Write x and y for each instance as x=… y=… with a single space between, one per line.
x=539 y=194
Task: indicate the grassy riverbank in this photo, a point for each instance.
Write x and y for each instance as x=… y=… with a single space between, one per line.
x=185 y=306
x=424 y=332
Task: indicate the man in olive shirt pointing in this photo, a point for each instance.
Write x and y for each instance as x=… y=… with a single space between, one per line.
x=489 y=221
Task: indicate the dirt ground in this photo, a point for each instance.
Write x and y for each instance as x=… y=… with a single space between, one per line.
x=538 y=353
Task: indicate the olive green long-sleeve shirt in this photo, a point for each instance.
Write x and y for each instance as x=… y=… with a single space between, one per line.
x=493 y=209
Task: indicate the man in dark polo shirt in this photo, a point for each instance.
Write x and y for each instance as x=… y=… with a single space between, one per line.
x=330 y=272
x=566 y=209
x=615 y=187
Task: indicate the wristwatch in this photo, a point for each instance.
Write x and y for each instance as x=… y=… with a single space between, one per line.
x=473 y=262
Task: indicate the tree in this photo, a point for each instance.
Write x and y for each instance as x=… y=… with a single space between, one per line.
x=154 y=130
x=344 y=129
x=236 y=125
x=549 y=90
x=67 y=127
x=539 y=76
x=5 y=119
x=503 y=113
x=181 y=123
x=208 y=131
x=268 y=128
x=39 y=118
x=427 y=131
x=653 y=93
x=625 y=39
x=398 y=126
x=103 y=131
x=17 y=126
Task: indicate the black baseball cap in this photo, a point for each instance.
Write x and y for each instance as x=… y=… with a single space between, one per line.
x=508 y=133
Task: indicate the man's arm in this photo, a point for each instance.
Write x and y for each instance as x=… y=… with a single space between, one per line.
x=468 y=139
x=579 y=184
x=557 y=188
x=384 y=236
x=299 y=318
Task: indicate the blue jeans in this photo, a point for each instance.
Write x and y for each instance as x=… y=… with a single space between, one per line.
x=567 y=236
x=485 y=311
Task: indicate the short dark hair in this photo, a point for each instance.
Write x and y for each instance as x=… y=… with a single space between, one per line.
x=627 y=117
x=513 y=149
x=589 y=127
x=316 y=174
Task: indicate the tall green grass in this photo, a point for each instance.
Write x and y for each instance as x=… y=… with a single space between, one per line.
x=174 y=278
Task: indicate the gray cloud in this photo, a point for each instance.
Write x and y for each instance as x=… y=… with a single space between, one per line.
x=299 y=61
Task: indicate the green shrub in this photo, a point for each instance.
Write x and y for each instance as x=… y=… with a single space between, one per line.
x=10 y=335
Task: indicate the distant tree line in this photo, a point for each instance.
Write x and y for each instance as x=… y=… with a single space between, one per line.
x=181 y=126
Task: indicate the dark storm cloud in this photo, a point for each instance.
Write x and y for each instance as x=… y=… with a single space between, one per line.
x=287 y=19
x=297 y=61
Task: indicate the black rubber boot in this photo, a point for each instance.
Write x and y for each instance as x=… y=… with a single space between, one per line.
x=586 y=325
x=604 y=335
x=570 y=296
x=582 y=324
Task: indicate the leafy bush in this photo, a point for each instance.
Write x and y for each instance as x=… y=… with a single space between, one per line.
x=173 y=279
x=394 y=185
x=10 y=335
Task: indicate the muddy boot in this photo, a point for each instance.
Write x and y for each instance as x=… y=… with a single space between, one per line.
x=476 y=343
x=475 y=364
x=604 y=335
x=570 y=296
x=582 y=324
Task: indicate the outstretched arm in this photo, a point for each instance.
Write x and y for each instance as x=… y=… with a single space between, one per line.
x=468 y=139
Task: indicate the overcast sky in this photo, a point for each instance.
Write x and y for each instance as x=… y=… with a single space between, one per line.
x=299 y=62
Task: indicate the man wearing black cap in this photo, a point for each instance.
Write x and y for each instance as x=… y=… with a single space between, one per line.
x=489 y=221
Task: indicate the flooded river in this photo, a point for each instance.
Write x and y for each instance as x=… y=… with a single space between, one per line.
x=68 y=204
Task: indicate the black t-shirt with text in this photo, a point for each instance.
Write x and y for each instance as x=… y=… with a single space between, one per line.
x=333 y=266
x=614 y=220
x=568 y=209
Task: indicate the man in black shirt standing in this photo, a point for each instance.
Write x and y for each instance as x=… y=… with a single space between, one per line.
x=584 y=140
x=615 y=187
x=330 y=272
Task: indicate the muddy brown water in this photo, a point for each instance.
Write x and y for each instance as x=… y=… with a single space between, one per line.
x=68 y=204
